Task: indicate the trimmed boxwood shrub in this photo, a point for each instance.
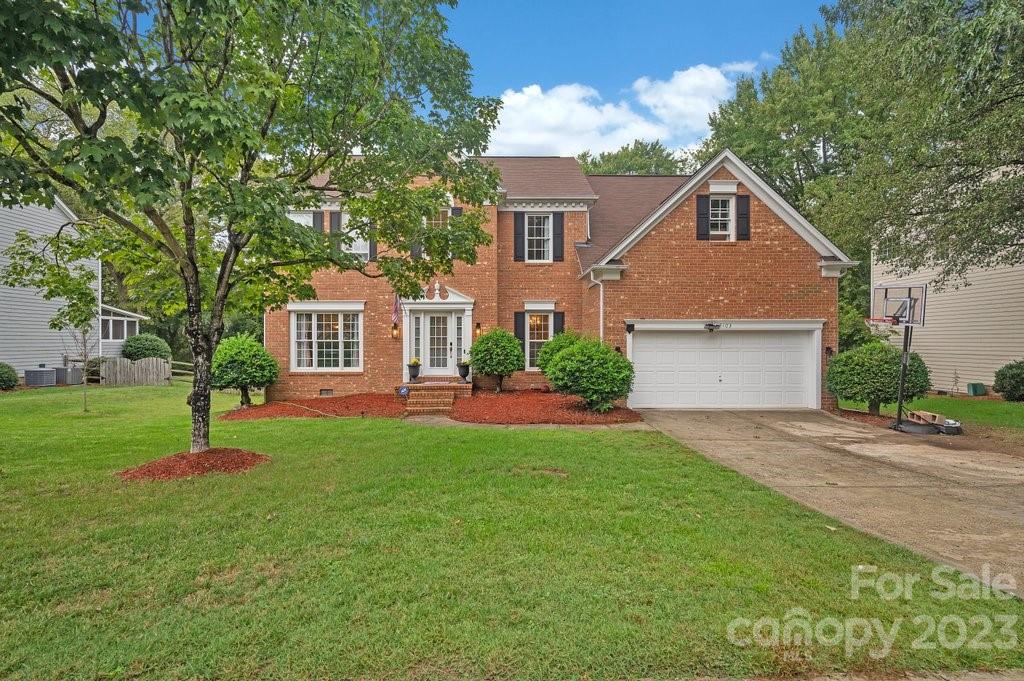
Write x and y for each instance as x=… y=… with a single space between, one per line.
x=871 y=373
x=241 y=362
x=560 y=342
x=591 y=370
x=497 y=353
x=8 y=377
x=145 y=345
x=1010 y=381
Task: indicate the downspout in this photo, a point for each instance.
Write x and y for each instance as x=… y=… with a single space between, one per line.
x=600 y=305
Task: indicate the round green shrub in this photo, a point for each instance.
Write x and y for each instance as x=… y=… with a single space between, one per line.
x=560 y=342
x=497 y=353
x=241 y=362
x=145 y=345
x=871 y=373
x=8 y=377
x=593 y=371
x=1010 y=381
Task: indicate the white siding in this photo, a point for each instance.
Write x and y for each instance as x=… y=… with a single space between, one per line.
x=26 y=339
x=970 y=331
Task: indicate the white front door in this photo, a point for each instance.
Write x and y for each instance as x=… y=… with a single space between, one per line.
x=438 y=340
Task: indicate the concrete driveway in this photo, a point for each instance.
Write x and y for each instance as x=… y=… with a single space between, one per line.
x=944 y=497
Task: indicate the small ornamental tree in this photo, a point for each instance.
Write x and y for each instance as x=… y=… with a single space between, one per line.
x=8 y=377
x=241 y=362
x=560 y=342
x=145 y=345
x=497 y=353
x=871 y=373
x=593 y=371
x=1010 y=381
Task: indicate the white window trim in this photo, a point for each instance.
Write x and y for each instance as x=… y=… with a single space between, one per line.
x=731 y=234
x=294 y=368
x=539 y=305
x=550 y=237
x=551 y=333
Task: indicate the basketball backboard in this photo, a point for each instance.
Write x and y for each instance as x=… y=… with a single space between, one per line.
x=899 y=303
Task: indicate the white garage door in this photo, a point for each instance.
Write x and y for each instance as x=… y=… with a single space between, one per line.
x=741 y=369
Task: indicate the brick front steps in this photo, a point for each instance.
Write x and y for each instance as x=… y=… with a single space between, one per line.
x=434 y=397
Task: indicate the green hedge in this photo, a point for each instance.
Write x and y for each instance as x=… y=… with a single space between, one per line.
x=8 y=377
x=145 y=345
x=560 y=342
x=497 y=353
x=1010 y=381
x=591 y=370
x=871 y=373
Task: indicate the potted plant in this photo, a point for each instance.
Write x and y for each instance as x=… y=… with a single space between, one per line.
x=414 y=368
x=463 y=366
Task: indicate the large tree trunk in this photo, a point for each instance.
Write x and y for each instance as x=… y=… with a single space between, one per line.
x=199 y=399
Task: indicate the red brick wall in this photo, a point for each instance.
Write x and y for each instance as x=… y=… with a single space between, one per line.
x=671 y=275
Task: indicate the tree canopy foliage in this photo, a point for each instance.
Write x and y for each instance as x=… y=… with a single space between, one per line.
x=895 y=126
x=638 y=158
x=185 y=130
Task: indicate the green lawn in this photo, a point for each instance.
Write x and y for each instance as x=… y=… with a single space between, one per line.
x=995 y=413
x=380 y=549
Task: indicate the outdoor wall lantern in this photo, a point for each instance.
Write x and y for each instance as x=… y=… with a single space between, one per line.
x=476 y=330
x=394 y=330
x=829 y=352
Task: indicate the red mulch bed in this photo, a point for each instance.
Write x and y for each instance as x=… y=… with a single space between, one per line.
x=188 y=465
x=365 y=404
x=534 y=406
x=864 y=417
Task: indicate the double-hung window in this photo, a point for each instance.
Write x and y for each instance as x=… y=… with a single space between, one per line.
x=722 y=225
x=326 y=341
x=538 y=332
x=538 y=237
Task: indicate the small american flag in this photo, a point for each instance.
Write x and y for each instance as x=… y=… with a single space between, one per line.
x=395 y=310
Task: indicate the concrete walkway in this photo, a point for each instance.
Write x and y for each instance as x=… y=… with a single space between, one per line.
x=947 y=498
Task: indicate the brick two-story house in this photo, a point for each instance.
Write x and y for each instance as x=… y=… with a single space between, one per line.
x=718 y=290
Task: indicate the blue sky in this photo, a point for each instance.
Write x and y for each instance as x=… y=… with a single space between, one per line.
x=578 y=75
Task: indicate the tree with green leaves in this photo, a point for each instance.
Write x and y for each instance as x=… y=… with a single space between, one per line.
x=187 y=129
x=638 y=158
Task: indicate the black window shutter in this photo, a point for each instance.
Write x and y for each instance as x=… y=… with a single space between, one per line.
x=743 y=217
x=519 y=235
x=373 y=250
x=703 y=217
x=416 y=252
x=456 y=211
x=521 y=325
x=558 y=237
x=559 y=323
x=335 y=228
x=318 y=221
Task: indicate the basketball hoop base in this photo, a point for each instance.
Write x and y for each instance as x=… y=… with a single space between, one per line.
x=914 y=428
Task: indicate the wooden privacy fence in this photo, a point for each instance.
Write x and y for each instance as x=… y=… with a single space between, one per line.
x=148 y=371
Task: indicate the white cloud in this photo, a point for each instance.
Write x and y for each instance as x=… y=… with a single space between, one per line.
x=739 y=66
x=566 y=120
x=769 y=56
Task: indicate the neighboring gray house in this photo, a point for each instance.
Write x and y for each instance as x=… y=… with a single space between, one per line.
x=969 y=331
x=26 y=339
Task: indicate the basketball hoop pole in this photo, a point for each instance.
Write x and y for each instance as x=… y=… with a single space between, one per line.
x=908 y=334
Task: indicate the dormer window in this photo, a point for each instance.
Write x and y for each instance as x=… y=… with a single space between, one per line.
x=721 y=227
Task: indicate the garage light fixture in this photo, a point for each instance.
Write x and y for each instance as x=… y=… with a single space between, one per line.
x=711 y=327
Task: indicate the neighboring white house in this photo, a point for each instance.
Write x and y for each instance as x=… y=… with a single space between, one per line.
x=969 y=331
x=26 y=339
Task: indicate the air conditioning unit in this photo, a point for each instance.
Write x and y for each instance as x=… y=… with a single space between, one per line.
x=68 y=375
x=41 y=377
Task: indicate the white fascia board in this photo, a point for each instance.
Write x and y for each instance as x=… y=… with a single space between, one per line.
x=756 y=185
x=63 y=207
x=326 y=306
x=122 y=313
x=726 y=324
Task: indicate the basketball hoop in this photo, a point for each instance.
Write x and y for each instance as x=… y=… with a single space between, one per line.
x=899 y=304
